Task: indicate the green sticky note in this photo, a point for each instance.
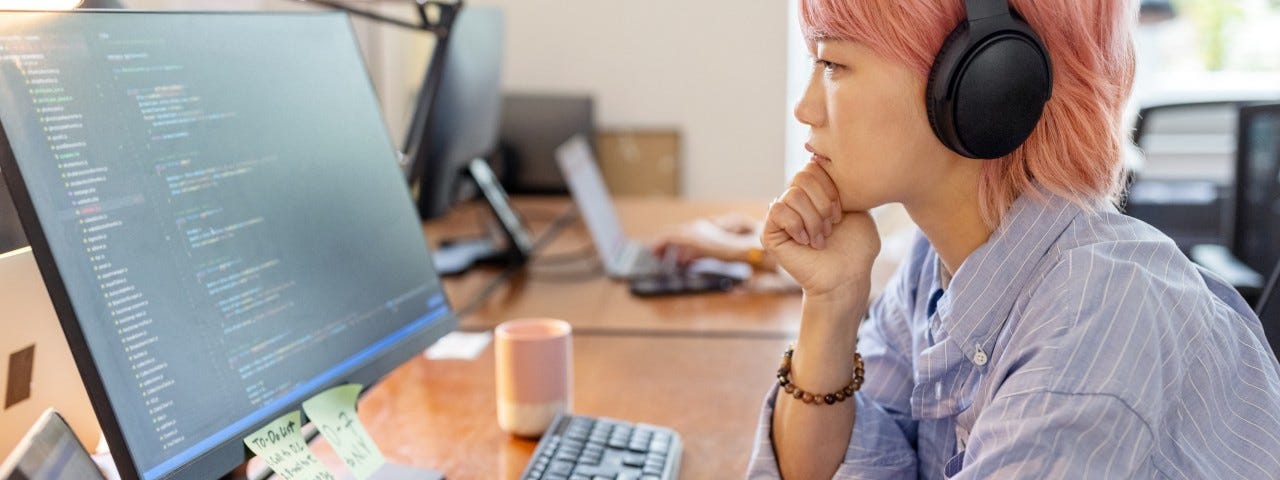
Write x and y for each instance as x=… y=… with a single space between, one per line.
x=333 y=412
x=281 y=445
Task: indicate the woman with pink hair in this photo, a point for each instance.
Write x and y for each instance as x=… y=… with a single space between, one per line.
x=1034 y=332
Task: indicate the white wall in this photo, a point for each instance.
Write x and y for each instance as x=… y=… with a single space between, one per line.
x=714 y=69
x=799 y=67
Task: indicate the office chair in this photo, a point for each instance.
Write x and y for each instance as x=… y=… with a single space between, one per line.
x=1268 y=309
x=1184 y=182
x=1250 y=248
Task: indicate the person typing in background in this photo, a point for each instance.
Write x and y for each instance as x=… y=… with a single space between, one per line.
x=1033 y=331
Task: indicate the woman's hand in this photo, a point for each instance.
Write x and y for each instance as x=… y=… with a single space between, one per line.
x=827 y=250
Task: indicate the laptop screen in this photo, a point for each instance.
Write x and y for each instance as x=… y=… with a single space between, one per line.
x=587 y=186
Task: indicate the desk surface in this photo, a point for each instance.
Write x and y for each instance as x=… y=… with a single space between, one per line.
x=581 y=294
x=442 y=414
x=696 y=364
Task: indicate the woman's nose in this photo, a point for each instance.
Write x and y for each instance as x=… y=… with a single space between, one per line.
x=810 y=109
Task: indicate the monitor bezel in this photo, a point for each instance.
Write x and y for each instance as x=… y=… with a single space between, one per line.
x=216 y=460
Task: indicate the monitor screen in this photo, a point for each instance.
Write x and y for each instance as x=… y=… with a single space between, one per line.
x=219 y=216
x=1258 y=190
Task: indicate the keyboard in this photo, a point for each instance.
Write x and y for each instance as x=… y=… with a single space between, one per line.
x=639 y=261
x=577 y=447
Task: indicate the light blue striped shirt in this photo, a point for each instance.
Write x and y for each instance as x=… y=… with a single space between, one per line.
x=1070 y=345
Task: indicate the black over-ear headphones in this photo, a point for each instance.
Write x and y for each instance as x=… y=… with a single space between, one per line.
x=989 y=82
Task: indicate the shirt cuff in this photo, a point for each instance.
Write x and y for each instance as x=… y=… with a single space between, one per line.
x=878 y=449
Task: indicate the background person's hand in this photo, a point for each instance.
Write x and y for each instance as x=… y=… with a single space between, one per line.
x=826 y=250
x=728 y=238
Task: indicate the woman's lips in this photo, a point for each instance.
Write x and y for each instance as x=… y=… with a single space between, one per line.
x=817 y=156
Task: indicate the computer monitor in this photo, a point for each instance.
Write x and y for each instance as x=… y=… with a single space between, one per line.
x=49 y=451
x=219 y=216
x=1257 y=190
x=533 y=127
x=462 y=121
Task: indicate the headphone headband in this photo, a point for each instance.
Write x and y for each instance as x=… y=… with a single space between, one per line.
x=981 y=9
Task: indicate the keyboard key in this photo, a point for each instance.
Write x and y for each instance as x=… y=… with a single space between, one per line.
x=653 y=468
x=561 y=467
x=659 y=445
x=633 y=460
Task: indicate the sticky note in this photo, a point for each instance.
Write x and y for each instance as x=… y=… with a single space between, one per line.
x=281 y=445
x=333 y=412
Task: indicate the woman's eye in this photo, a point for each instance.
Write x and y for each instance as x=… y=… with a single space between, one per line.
x=826 y=66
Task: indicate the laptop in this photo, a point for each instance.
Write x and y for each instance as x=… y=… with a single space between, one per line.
x=622 y=257
x=50 y=451
x=36 y=368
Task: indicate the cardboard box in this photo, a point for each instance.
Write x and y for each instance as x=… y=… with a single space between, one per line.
x=640 y=162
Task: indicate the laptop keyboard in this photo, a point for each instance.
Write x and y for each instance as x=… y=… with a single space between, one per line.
x=577 y=447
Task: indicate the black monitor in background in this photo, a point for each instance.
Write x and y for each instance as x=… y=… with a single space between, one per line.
x=219 y=216
x=1256 y=229
x=533 y=127
x=461 y=132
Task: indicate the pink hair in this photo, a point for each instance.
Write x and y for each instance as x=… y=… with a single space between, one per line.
x=1075 y=151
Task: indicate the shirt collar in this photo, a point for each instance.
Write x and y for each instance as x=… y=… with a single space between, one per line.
x=983 y=290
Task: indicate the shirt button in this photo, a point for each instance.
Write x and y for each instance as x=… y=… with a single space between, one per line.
x=980 y=358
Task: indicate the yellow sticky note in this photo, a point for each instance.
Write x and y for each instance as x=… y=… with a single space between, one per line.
x=281 y=445
x=333 y=412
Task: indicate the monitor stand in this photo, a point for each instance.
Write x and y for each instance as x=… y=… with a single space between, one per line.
x=455 y=256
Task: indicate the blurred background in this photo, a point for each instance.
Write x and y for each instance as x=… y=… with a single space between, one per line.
x=693 y=100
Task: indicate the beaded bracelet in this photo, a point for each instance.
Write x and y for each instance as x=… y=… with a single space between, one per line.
x=784 y=382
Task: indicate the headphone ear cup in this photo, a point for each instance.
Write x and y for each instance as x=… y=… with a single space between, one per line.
x=940 y=76
x=985 y=96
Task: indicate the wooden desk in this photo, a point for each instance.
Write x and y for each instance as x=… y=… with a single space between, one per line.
x=442 y=414
x=701 y=367
x=595 y=303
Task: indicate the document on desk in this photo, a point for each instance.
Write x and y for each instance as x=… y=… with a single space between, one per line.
x=459 y=346
x=333 y=412
x=281 y=445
